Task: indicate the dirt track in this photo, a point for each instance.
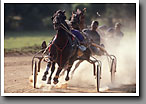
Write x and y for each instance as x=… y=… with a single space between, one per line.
x=17 y=71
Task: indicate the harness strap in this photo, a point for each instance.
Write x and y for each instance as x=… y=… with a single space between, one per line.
x=61 y=50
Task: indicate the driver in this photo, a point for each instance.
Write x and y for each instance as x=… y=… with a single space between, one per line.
x=93 y=36
x=80 y=37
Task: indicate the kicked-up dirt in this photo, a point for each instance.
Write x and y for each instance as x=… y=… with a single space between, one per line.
x=18 y=73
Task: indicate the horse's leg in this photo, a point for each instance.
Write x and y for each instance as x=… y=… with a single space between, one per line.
x=62 y=73
x=52 y=71
x=57 y=75
x=68 y=70
x=71 y=62
x=46 y=72
x=76 y=66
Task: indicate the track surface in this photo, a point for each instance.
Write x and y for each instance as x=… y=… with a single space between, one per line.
x=17 y=70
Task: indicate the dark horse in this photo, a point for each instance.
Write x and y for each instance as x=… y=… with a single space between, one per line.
x=63 y=49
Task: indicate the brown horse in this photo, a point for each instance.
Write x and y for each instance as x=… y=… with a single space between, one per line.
x=78 y=23
x=78 y=19
x=63 y=50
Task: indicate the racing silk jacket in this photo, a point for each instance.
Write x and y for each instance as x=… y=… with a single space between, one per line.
x=78 y=35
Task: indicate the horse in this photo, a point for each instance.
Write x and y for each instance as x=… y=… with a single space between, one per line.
x=78 y=22
x=64 y=49
x=78 y=19
x=61 y=49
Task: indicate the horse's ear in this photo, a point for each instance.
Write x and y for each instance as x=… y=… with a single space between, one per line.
x=52 y=18
x=69 y=19
x=55 y=11
x=84 y=9
x=63 y=11
x=73 y=12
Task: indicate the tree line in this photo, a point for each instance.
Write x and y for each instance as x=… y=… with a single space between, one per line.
x=29 y=16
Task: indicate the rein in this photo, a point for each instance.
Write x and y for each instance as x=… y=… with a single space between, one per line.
x=94 y=44
x=59 y=49
x=65 y=28
x=68 y=31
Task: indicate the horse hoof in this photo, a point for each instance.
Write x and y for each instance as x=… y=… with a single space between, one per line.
x=49 y=82
x=67 y=78
x=55 y=81
x=44 y=78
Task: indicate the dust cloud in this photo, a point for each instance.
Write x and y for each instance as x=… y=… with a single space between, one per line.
x=125 y=52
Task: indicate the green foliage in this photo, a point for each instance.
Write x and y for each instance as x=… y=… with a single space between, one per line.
x=20 y=17
x=80 y=6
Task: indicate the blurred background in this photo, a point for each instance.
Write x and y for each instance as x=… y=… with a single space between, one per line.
x=27 y=25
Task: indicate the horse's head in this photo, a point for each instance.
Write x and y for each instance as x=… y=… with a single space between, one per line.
x=77 y=19
x=58 y=18
x=81 y=14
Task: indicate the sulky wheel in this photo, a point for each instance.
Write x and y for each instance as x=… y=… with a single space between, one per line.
x=35 y=72
x=98 y=76
x=113 y=69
